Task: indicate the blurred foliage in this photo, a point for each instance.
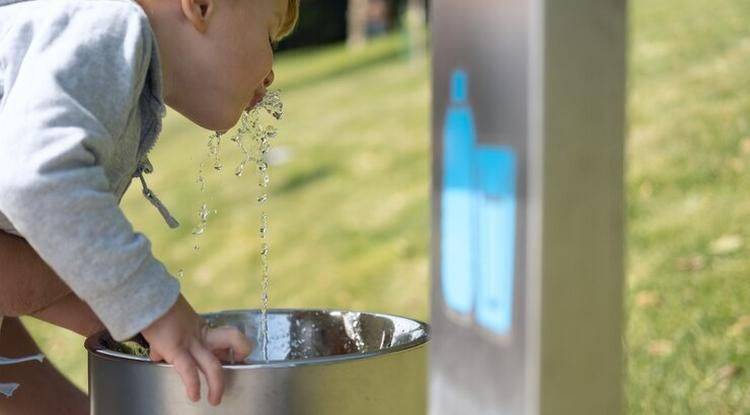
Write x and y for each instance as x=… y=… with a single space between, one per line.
x=324 y=21
x=321 y=22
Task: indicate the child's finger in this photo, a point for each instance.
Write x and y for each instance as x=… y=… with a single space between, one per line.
x=186 y=367
x=227 y=356
x=224 y=355
x=229 y=338
x=155 y=356
x=211 y=368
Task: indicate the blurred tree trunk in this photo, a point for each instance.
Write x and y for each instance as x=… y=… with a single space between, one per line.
x=417 y=8
x=357 y=23
x=416 y=18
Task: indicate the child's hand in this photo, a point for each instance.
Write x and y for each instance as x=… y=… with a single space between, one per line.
x=183 y=339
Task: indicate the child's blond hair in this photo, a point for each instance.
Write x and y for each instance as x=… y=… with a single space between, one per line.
x=289 y=21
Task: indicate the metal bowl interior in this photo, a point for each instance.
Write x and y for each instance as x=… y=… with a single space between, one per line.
x=298 y=337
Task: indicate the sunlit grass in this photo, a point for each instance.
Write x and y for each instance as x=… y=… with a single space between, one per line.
x=689 y=205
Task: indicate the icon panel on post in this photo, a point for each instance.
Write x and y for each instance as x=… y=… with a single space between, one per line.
x=478 y=219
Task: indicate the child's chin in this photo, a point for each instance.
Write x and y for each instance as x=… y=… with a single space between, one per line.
x=220 y=124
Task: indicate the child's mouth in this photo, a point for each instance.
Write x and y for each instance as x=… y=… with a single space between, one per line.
x=257 y=98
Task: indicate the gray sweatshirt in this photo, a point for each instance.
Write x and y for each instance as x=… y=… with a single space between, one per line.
x=80 y=107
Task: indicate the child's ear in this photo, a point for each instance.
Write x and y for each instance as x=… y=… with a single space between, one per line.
x=198 y=12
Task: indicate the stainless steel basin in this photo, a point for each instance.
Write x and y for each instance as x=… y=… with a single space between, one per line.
x=318 y=362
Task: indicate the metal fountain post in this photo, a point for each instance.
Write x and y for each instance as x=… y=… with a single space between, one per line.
x=528 y=126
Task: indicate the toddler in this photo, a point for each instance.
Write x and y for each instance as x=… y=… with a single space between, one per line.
x=83 y=88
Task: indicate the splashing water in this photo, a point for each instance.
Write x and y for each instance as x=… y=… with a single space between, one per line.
x=271 y=103
x=214 y=150
x=247 y=124
x=203 y=218
x=250 y=125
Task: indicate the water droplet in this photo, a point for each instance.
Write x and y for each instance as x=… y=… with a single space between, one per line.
x=180 y=273
x=201 y=182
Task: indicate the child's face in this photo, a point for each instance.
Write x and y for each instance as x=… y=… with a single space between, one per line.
x=221 y=62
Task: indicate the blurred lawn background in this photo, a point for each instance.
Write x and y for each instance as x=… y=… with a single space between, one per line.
x=688 y=334
x=349 y=210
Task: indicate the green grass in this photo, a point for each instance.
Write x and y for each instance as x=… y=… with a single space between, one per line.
x=689 y=186
x=350 y=211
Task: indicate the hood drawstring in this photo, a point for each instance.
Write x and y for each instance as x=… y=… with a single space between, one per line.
x=145 y=167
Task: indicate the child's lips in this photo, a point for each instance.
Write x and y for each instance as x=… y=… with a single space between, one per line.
x=255 y=101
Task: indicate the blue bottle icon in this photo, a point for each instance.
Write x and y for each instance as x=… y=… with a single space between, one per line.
x=458 y=199
x=496 y=235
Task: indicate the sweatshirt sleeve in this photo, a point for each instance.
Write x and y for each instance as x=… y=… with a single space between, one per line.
x=77 y=87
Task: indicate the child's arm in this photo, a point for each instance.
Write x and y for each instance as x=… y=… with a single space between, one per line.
x=72 y=313
x=28 y=284
x=30 y=287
